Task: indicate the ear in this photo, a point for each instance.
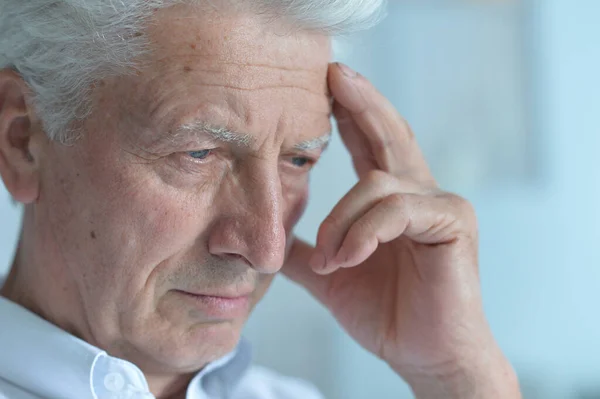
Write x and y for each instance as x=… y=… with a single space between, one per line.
x=18 y=167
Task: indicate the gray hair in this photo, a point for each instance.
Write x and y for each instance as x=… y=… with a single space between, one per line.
x=61 y=47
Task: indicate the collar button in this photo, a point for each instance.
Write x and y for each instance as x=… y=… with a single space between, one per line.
x=114 y=382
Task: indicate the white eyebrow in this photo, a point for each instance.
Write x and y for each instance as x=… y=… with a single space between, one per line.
x=314 y=144
x=216 y=132
x=227 y=136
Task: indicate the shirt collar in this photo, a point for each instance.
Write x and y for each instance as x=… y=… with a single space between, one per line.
x=48 y=361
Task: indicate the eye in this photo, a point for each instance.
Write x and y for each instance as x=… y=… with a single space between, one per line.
x=202 y=154
x=300 y=162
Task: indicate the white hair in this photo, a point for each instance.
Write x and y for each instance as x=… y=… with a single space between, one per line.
x=61 y=47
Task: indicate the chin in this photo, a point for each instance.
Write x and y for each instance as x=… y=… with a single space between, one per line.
x=202 y=343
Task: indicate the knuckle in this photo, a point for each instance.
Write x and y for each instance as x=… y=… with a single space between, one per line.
x=463 y=209
x=464 y=206
x=330 y=226
x=396 y=201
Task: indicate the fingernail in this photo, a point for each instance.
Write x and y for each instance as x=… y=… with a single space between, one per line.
x=317 y=261
x=349 y=72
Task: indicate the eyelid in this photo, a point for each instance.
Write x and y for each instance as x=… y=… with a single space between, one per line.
x=297 y=152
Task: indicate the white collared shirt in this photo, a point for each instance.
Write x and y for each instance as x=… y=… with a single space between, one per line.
x=39 y=360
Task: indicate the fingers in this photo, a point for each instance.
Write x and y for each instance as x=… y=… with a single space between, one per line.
x=381 y=224
x=373 y=131
x=356 y=143
x=374 y=187
x=396 y=195
x=423 y=218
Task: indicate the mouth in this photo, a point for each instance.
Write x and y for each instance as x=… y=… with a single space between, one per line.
x=218 y=306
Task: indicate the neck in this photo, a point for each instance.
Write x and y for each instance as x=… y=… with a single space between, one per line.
x=37 y=284
x=168 y=388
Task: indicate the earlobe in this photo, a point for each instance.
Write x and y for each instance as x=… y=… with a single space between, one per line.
x=18 y=167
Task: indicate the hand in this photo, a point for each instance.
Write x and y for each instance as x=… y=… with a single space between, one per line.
x=396 y=259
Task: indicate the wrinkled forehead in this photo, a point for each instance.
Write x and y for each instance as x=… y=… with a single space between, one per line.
x=237 y=38
x=205 y=57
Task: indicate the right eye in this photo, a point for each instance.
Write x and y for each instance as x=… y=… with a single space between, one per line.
x=200 y=155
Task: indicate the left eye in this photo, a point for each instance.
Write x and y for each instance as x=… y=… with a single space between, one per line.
x=202 y=154
x=300 y=161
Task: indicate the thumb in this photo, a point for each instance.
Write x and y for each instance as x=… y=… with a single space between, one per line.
x=297 y=269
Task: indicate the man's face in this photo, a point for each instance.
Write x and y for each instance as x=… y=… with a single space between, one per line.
x=170 y=235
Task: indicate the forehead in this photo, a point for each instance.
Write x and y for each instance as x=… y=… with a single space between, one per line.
x=235 y=70
x=235 y=36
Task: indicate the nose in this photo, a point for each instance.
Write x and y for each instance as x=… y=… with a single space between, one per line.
x=252 y=222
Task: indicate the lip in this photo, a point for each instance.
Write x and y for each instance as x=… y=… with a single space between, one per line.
x=220 y=307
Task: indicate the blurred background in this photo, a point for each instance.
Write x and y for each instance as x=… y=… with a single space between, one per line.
x=504 y=99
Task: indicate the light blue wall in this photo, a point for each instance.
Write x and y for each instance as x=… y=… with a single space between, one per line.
x=551 y=325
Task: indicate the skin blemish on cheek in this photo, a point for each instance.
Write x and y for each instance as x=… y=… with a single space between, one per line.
x=193 y=46
x=187 y=68
x=93 y=234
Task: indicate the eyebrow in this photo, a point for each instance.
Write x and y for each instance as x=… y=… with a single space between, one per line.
x=319 y=143
x=225 y=135
x=216 y=132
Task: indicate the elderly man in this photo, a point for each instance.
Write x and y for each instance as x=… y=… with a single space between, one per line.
x=162 y=150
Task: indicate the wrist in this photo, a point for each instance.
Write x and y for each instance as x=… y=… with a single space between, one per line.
x=482 y=378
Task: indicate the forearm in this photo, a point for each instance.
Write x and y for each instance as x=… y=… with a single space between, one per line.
x=479 y=380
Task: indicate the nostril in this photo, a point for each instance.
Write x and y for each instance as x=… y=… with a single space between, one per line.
x=236 y=258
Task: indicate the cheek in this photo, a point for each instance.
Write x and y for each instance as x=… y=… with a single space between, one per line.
x=129 y=228
x=295 y=205
x=148 y=235
x=153 y=225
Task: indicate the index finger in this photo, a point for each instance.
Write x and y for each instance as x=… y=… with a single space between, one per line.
x=373 y=131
